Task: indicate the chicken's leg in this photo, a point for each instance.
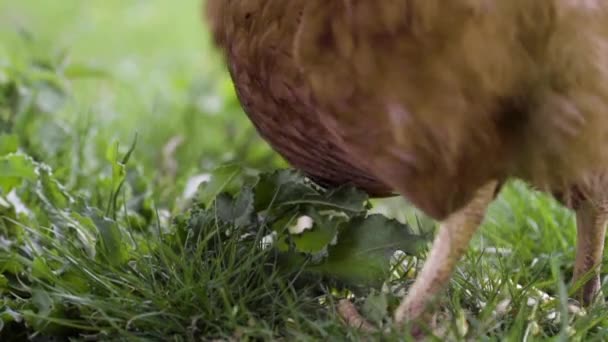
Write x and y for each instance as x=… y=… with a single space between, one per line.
x=449 y=245
x=591 y=221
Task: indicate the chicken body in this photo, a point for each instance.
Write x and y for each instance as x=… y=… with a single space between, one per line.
x=276 y=95
x=436 y=100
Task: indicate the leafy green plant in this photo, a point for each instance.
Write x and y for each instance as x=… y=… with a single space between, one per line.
x=322 y=231
x=56 y=276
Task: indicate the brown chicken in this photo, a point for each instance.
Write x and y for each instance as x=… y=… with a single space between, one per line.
x=440 y=101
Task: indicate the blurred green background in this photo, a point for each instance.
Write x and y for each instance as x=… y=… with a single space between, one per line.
x=143 y=67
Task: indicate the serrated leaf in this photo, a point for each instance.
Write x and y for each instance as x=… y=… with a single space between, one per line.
x=222 y=180
x=348 y=198
x=290 y=188
x=273 y=187
x=314 y=240
x=52 y=192
x=17 y=165
x=14 y=168
x=364 y=248
x=323 y=201
x=318 y=238
x=237 y=211
x=11 y=264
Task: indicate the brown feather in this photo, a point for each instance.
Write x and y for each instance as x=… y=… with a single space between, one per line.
x=431 y=98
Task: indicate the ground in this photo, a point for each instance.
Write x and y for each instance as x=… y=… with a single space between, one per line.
x=111 y=113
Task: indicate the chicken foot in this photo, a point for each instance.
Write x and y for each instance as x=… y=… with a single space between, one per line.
x=591 y=219
x=449 y=246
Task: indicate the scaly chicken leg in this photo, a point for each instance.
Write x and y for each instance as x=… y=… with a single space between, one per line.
x=591 y=219
x=449 y=245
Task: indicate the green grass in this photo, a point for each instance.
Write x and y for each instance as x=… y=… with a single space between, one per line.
x=106 y=246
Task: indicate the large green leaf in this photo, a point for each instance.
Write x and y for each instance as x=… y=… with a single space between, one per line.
x=14 y=169
x=289 y=188
x=308 y=220
x=237 y=211
x=320 y=235
x=365 y=246
x=280 y=187
x=222 y=179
